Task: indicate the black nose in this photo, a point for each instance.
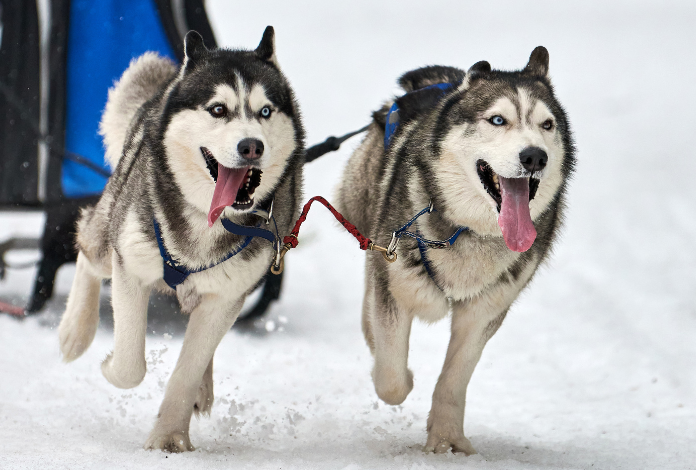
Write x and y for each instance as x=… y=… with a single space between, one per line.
x=533 y=159
x=251 y=149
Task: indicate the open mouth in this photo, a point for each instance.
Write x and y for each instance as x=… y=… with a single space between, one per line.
x=512 y=196
x=491 y=183
x=234 y=187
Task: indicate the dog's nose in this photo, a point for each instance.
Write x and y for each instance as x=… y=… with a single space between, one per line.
x=251 y=149
x=533 y=159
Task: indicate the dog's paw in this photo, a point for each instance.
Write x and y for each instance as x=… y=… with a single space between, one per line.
x=128 y=378
x=441 y=445
x=392 y=387
x=173 y=442
x=75 y=334
x=205 y=397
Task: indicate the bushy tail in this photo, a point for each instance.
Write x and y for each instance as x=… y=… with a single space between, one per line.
x=142 y=80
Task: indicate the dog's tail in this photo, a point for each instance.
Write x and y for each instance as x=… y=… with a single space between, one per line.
x=430 y=75
x=143 y=79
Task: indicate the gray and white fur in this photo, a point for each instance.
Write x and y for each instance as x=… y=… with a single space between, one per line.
x=166 y=129
x=454 y=152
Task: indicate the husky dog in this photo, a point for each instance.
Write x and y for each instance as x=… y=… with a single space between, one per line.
x=218 y=138
x=493 y=154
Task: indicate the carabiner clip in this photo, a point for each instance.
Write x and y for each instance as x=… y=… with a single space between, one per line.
x=278 y=263
x=390 y=257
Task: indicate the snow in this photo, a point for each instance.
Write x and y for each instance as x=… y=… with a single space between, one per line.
x=593 y=367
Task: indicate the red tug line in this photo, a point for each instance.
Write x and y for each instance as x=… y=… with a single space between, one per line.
x=12 y=309
x=291 y=241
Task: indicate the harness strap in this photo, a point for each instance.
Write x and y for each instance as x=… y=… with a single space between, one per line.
x=423 y=248
x=245 y=231
x=393 y=119
x=424 y=243
x=175 y=273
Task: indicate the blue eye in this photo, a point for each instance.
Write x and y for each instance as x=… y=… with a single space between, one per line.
x=497 y=120
x=265 y=112
x=218 y=111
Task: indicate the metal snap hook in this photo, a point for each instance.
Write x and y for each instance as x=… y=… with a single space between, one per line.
x=390 y=257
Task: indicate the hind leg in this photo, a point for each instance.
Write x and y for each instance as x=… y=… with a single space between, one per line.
x=209 y=323
x=125 y=367
x=81 y=318
x=387 y=329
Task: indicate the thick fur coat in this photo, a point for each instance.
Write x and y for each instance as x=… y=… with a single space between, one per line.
x=494 y=155
x=218 y=137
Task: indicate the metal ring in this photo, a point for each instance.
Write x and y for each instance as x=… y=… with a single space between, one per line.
x=277 y=270
x=391 y=258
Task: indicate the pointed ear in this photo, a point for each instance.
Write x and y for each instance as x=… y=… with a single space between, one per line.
x=479 y=67
x=194 y=48
x=266 y=49
x=538 y=64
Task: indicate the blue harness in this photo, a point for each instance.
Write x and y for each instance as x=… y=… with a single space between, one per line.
x=393 y=120
x=390 y=128
x=176 y=273
x=424 y=243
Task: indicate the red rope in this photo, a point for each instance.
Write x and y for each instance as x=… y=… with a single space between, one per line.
x=292 y=238
x=11 y=309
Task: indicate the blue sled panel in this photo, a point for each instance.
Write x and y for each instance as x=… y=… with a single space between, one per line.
x=104 y=35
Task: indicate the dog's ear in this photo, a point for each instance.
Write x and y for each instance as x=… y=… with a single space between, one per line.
x=538 y=64
x=479 y=68
x=194 y=49
x=266 y=49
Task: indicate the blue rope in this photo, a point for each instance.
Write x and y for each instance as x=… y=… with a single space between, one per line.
x=424 y=243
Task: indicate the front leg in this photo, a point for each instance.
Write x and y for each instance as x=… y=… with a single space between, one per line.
x=387 y=330
x=473 y=323
x=209 y=323
x=205 y=396
x=125 y=367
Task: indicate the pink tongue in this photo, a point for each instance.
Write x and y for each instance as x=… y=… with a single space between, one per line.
x=228 y=183
x=514 y=219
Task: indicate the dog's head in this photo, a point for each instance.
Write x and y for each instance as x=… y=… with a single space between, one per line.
x=505 y=151
x=232 y=126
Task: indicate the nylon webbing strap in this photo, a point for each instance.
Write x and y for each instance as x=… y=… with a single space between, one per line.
x=245 y=231
x=175 y=274
x=393 y=118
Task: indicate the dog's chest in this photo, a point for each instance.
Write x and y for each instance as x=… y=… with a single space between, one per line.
x=470 y=266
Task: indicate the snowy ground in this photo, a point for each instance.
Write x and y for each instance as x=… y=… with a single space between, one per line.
x=594 y=366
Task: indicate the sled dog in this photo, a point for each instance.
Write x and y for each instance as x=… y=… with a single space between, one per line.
x=216 y=140
x=485 y=155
